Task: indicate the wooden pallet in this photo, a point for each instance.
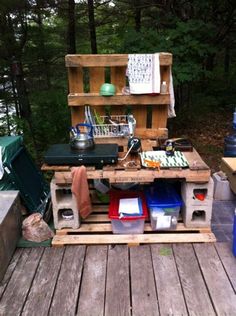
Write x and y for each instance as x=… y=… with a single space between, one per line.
x=97 y=229
x=123 y=172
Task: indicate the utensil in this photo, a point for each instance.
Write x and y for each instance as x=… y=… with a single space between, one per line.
x=82 y=140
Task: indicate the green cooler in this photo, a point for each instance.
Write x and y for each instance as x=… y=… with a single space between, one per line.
x=19 y=172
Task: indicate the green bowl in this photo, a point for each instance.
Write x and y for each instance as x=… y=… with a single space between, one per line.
x=107 y=89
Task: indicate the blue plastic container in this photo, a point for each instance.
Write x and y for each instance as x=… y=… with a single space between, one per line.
x=230 y=146
x=164 y=204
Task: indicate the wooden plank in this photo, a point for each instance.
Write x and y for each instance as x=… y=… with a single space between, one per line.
x=230 y=175
x=97 y=239
x=146 y=134
x=65 y=297
x=140 y=114
x=20 y=282
x=117 y=285
x=75 y=81
x=10 y=270
x=144 y=298
x=92 y=293
x=96 y=79
x=77 y=115
x=118 y=78
x=42 y=288
x=94 y=99
x=230 y=162
x=219 y=287
x=170 y=295
x=159 y=116
x=228 y=260
x=148 y=175
x=195 y=291
x=195 y=161
x=143 y=175
x=109 y=60
x=97 y=218
x=106 y=227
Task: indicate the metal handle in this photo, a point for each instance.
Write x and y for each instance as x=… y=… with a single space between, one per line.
x=89 y=126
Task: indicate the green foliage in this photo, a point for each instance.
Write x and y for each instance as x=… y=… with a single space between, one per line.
x=200 y=34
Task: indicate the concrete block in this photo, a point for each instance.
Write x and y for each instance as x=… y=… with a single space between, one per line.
x=197 y=215
x=10 y=227
x=222 y=190
x=189 y=191
x=63 y=199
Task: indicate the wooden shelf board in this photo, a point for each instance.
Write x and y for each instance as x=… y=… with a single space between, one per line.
x=80 y=99
x=105 y=60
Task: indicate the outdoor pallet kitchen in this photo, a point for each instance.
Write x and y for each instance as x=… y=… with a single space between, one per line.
x=150 y=112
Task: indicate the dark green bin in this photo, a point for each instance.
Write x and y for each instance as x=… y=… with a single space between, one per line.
x=21 y=173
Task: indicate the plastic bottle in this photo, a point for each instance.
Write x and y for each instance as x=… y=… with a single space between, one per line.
x=234 y=120
x=164 y=91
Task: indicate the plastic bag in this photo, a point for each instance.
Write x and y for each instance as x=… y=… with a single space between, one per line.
x=34 y=228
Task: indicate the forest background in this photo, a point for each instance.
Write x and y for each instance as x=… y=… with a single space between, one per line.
x=35 y=36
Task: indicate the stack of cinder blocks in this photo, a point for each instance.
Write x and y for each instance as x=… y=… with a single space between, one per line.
x=63 y=199
x=195 y=212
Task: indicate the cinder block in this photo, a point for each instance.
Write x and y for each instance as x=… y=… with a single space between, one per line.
x=222 y=190
x=63 y=199
x=197 y=215
x=10 y=227
x=189 y=190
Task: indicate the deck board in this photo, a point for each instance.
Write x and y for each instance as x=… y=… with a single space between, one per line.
x=142 y=282
x=162 y=279
x=220 y=289
x=41 y=291
x=10 y=270
x=194 y=288
x=92 y=294
x=169 y=291
x=117 y=287
x=13 y=299
x=66 y=294
x=228 y=260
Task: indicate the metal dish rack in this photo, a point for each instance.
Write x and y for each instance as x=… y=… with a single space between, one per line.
x=119 y=126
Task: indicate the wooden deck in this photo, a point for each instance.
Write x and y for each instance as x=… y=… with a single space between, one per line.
x=162 y=279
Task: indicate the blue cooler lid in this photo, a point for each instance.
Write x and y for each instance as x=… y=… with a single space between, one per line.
x=162 y=195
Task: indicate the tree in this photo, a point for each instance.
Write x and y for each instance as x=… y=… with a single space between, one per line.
x=92 y=27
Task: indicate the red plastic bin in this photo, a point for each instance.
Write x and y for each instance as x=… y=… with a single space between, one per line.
x=128 y=224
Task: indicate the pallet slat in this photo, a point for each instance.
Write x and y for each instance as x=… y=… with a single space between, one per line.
x=111 y=60
x=107 y=227
x=132 y=239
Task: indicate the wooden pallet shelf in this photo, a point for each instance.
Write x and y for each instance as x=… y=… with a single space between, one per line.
x=111 y=60
x=80 y=99
x=97 y=229
x=197 y=172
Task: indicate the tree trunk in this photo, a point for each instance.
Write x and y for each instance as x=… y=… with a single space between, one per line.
x=24 y=105
x=137 y=17
x=42 y=48
x=71 y=42
x=92 y=27
x=227 y=60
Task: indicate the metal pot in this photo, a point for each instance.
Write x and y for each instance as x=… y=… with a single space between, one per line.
x=82 y=140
